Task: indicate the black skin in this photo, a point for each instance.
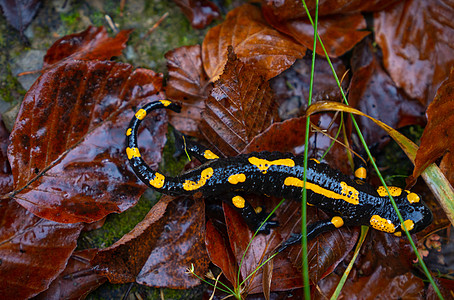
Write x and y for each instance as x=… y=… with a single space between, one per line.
x=326 y=186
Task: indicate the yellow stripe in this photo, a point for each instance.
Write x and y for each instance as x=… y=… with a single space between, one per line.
x=264 y=164
x=349 y=194
x=190 y=185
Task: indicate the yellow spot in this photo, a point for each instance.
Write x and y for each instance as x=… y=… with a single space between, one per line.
x=236 y=178
x=258 y=209
x=393 y=190
x=382 y=224
x=165 y=102
x=409 y=224
x=157 y=181
x=315 y=160
x=132 y=152
x=412 y=197
x=398 y=233
x=348 y=193
x=310 y=204
x=209 y=155
x=190 y=185
x=141 y=114
x=361 y=173
x=264 y=164
x=238 y=201
x=129 y=131
x=337 y=222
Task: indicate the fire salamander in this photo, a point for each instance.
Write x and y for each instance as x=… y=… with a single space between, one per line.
x=350 y=202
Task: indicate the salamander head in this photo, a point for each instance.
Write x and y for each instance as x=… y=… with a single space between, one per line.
x=414 y=211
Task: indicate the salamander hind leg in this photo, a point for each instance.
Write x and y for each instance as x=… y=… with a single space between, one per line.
x=313 y=230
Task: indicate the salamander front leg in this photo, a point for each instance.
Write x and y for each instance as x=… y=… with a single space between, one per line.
x=313 y=230
x=255 y=220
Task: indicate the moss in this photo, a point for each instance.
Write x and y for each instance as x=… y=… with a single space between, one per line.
x=71 y=19
x=10 y=88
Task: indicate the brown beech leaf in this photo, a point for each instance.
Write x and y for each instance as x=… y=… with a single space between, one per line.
x=240 y=106
x=33 y=251
x=72 y=285
x=377 y=286
x=374 y=93
x=93 y=43
x=199 y=12
x=159 y=249
x=292 y=9
x=339 y=33
x=253 y=40
x=416 y=38
x=187 y=83
x=220 y=253
x=437 y=138
x=20 y=13
x=67 y=146
x=324 y=253
x=382 y=271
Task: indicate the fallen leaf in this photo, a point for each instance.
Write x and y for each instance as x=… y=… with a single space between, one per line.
x=33 y=251
x=291 y=87
x=374 y=93
x=71 y=284
x=437 y=138
x=199 y=12
x=416 y=38
x=324 y=253
x=339 y=33
x=93 y=43
x=382 y=270
x=67 y=146
x=253 y=40
x=189 y=84
x=20 y=13
x=240 y=107
x=292 y=9
x=159 y=249
x=220 y=253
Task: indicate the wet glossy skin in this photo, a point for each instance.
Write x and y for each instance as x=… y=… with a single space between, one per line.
x=280 y=174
